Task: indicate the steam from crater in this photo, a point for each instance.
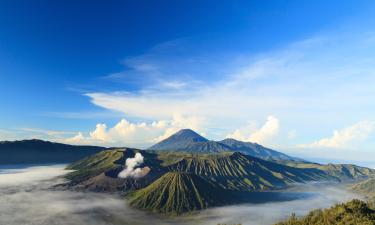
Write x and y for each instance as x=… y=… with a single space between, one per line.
x=130 y=167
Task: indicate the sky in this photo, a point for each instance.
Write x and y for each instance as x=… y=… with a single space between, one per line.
x=297 y=76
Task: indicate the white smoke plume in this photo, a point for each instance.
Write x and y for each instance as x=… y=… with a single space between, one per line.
x=130 y=170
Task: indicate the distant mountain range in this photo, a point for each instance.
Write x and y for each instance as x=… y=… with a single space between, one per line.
x=38 y=151
x=178 y=182
x=187 y=140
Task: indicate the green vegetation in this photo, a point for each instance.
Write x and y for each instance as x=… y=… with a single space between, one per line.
x=94 y=165
x=236 y=171
x=177 y=192
x=354 y=212
x=366 y=188
x=342 y=172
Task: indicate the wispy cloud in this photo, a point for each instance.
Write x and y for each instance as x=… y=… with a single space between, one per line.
x=344 y=138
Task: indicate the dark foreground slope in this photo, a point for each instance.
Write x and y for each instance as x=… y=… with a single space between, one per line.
x=187 y=140
x=38 y=151
x=354 y=212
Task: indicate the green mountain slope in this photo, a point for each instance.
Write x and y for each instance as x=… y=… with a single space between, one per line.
x=100 y=171
x=343 y=172
x=177 y=192
x=354 y=212
x=366 y=188
x=233 y=171
x=237 y=171
x=38 y=151
x=347 y=171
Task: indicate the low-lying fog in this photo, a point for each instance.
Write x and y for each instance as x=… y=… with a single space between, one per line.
x=25 y=198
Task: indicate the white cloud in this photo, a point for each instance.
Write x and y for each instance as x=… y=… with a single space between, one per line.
x=77 y=139
x=100 y=133
x=345 y=137
x=262 y=135
x=136 y=134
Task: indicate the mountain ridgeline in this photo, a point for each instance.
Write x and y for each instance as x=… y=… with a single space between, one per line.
x=187 y=140
x=37 y=151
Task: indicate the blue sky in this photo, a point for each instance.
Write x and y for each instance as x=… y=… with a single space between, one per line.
x=294 y=75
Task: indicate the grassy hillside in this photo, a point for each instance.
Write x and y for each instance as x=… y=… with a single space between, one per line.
x=100 y=172
x=366 y=188
x=354 y=212
x=342 y=172
x=177 y=192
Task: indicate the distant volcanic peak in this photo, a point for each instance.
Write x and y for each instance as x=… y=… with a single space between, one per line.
x=180 y=141
x=188 y=134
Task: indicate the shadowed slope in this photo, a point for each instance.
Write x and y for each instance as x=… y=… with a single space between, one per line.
x=37 y=151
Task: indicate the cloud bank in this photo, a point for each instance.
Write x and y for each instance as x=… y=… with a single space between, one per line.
x=137 y=134
x=345 y=137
